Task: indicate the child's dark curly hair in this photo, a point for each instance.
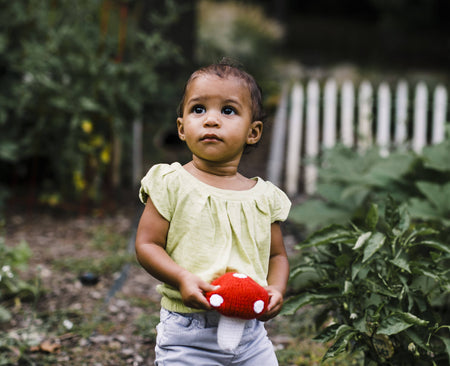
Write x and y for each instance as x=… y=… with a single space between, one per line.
x=229 y=68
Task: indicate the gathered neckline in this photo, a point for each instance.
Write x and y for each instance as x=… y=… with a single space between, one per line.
x=228 y=193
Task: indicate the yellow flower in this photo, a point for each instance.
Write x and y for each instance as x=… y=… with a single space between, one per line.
x=105 y=155
x=86 y=126
x=78 y=181
x=53 y=199
x=96 y=141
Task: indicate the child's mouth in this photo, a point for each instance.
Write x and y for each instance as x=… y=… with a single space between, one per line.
x=210 y=137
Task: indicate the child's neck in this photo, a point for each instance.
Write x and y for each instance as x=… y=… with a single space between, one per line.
x=224 y=176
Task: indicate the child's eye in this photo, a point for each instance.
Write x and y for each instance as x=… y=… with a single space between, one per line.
x=198 y=109
x=228 y=110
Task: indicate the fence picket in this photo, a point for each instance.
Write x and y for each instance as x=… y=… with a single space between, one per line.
x=365 y=105
x=329 y=114
x=439 y=112
x=384 y=119
x=292 y=148
x=347 y=113
x=276 y=153
x=420 y=117
x=401 y=114
x=312 y=136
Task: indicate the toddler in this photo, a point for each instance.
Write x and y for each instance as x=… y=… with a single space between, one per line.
x=204 y=219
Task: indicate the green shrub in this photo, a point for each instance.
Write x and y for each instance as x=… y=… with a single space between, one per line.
x=75 y=75
x=14 y=259
x=349 y=182
x=382 y=282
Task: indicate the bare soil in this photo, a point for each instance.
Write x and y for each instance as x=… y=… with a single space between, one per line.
x=109 y=323
x=86 y=325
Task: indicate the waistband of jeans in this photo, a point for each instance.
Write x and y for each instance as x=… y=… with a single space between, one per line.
x=205 y=318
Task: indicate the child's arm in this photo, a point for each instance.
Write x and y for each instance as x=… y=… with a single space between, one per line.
x=150 y=251
x=278 y=275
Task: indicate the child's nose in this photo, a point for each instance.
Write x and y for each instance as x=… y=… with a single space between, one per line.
x=212 y=119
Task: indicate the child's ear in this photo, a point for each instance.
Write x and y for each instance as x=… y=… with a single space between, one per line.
x=254 y=132
x=180 y=128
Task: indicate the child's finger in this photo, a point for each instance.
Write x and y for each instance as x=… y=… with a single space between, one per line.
x=207 y=287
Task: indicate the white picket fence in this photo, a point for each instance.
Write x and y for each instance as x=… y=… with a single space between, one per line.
x=309 y=120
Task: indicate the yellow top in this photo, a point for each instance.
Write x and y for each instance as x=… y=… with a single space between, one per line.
x=213 y=231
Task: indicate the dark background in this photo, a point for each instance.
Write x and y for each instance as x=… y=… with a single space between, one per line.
x=394 y=34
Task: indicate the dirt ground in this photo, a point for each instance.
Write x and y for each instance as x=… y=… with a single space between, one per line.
x=110 y=323
x=100 y=325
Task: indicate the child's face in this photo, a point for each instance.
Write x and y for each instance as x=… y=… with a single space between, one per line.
x=217 y=119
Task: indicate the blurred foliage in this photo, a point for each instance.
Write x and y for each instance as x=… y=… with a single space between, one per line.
x=14 y=259
x=240 y=31
x=74 y=76
x=383 y=278
x=350 y=182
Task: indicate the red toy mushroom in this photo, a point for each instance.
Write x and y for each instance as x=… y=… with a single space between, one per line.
x=238 y=299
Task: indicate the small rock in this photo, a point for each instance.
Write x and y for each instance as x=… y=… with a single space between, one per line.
x=120 y=338
x=96 y=295
x=83 y=342
x=99 y=339
x=114 y=345
x=128 y=352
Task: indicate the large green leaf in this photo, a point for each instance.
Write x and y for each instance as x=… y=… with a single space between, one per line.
x=426 y=272
x=437 y=194
x=362 y=239
x=437 y=156
x=296 y=271
x=380 y=287
x=296 y=302
x=398 y=322
x=328 y=333
x=434 y=245
x=344 y=335
x=418 y=338
x=446 y=341
x=329 y=235
x=390 y=169
x=424 y=210
x=375 y=242
x=401 y=261
x=372 y=216
x=314 y=214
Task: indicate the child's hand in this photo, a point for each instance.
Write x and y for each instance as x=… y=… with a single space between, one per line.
x=275 y=303
x=193 y=290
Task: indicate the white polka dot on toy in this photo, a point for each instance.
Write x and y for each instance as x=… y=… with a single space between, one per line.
x=216 y=300
x=258 y=306
x=239 y=275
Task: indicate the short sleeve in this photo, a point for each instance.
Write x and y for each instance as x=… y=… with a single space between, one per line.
x=159 y=184
x=280 y=204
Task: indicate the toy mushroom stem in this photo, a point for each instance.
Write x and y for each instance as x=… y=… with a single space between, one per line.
x=237 y=298
x=229 y=332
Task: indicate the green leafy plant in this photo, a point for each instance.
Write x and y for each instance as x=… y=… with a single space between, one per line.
x=75 y=76
x=14 y=259
x=349 y=182
x=382 y=283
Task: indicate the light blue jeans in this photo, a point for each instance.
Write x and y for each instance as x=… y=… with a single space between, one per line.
x=191 y=340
